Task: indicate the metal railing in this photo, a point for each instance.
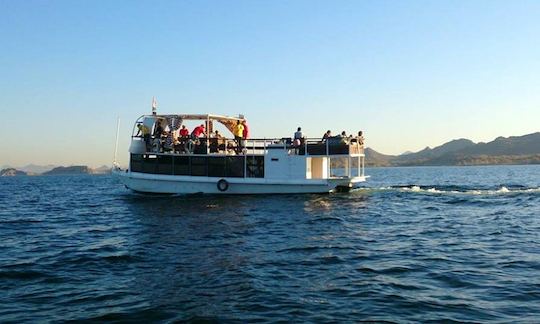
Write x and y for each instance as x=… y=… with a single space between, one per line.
x=254 y=146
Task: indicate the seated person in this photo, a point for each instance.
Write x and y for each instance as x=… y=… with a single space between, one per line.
x=343 y=138
x=231 y=148
x=326 y=135
x=184 y=132
x=214 y=141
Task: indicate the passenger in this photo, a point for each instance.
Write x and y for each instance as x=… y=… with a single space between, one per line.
x=182 y=141
x=221 y=140
x=157 y=142
x=144 y=132
x=326 y=135
x=168 y=144
x=298 y=134
x=298 y=137
x=245 y=133
x=238 y=136
x=184 y=132
x=198 y=131
x=214 y=141
x=230 y=148
x=158 y=130
x=360 y=138
x=343 y=138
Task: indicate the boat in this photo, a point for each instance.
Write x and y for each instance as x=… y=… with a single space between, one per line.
x=165 y=163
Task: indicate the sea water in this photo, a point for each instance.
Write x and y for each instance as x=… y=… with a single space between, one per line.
x=413 y=244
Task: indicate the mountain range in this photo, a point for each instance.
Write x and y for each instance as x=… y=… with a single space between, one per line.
x=503 y=150
x=32 y=169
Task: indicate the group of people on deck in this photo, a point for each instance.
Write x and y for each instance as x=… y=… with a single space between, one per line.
x=343 y=138
x=195 y=141
x=200 y=142
x=299 y=139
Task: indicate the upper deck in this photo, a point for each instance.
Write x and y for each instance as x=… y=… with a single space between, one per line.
x=169 y=140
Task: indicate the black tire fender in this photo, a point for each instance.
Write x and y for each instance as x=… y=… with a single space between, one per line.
x=222 y=185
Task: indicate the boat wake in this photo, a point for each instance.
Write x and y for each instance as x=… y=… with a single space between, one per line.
x=457 y=190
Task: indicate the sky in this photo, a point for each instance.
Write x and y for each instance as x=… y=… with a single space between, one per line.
x=410 y=74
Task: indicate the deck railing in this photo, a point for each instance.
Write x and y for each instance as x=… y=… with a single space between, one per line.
x=255 y=146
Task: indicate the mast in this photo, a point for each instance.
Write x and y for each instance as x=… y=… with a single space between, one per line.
x=116 y=141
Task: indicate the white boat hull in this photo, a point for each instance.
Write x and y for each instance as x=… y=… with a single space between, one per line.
x=169 y=184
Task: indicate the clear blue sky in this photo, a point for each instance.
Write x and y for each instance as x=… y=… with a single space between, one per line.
x=409 y=73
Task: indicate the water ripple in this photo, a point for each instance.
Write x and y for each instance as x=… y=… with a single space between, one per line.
x=411 y=247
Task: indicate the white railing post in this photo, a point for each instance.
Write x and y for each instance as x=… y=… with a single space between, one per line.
x=359 y=167
x=327 y=147
x=349 y=172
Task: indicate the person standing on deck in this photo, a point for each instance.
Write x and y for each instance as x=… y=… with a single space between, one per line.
x=145 y=133
x=198 y=131
x=245 y=133
x=360 y=138
x=238 y=136
x=298 y=137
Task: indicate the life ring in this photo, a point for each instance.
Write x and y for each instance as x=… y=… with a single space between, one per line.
x=222 y=185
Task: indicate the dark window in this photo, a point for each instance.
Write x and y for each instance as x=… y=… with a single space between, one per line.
x=136 y=163
x=255 y=166
x=216 y=167
x=149 y=164
x=165 y=164
x=199 y=166
x=235 y=166
x=181 y=165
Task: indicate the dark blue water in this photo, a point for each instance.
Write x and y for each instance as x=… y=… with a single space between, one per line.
x=420 y=244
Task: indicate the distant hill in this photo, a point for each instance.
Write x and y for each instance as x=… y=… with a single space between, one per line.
x=36 y=169
x=503 y=150
x=11 y=172
x=76 y=169
x=374 y=158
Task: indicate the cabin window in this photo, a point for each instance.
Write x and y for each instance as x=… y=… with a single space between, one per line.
x=217 y=167
x=181 y=165
x=199 y=166
x=255 y=166
x=235 y=166
x=149 y=164
x=136 y=163
x=164 y=164
x=225 y=166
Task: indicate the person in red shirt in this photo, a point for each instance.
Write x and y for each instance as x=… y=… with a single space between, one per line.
x=246 y=129
x=198 y=131
x=184 y=132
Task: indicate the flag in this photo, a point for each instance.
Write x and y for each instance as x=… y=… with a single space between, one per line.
x=154 y=105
